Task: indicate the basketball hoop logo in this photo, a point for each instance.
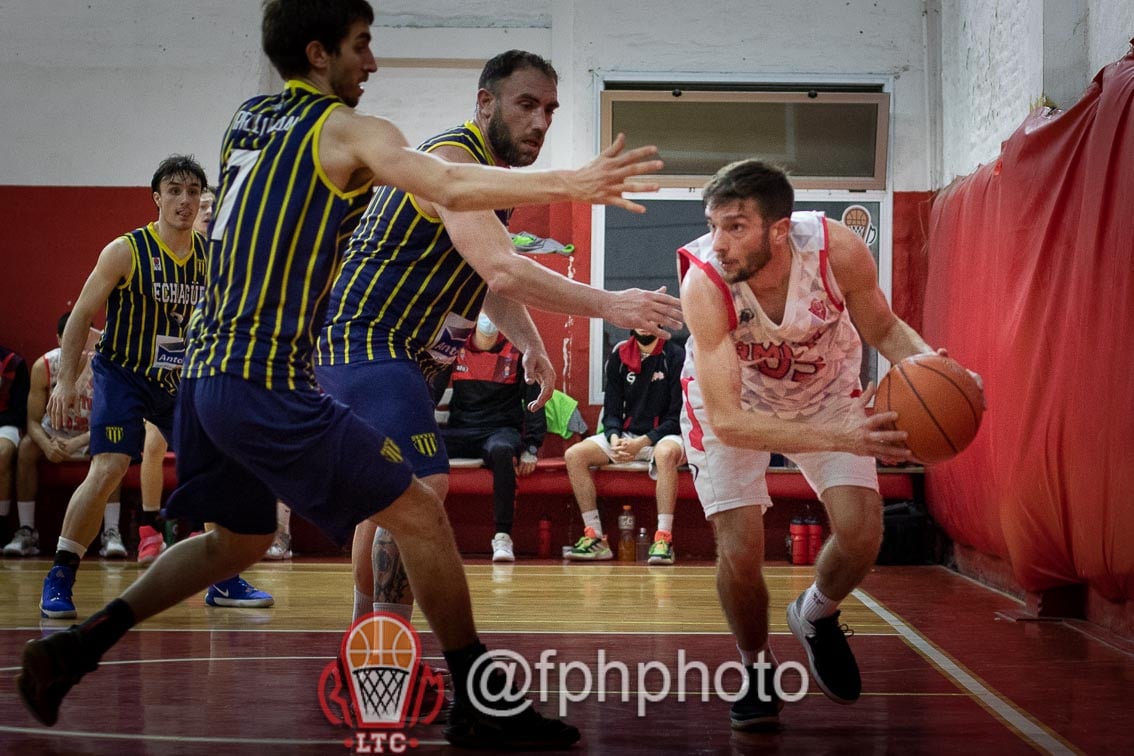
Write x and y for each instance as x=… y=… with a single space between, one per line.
x=857 y=218
x=378 y=664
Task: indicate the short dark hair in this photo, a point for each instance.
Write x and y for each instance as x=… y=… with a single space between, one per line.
x=178 y=165
x=751 y=179
x=59 y=326
x=290 y=25
x=505 y=64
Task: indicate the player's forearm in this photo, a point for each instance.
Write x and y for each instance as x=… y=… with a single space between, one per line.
x=469 y=187
x=527 y=282
x=73 y=344
x=901 y=341
x=754 y=430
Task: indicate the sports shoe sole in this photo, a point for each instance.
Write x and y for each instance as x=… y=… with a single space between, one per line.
x=21 y=552
x=793 y=621
x=503 y=557
x=58 y=613
x=769 y=722
x=659 y=560
x=239 y=603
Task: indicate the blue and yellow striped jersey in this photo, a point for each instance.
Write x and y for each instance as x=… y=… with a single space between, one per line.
x=146 y=314
x=277 y=238
x=404 y=292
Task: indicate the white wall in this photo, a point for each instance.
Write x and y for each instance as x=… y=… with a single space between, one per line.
x=993 y=59
x=97 y=91
x=1109 y=30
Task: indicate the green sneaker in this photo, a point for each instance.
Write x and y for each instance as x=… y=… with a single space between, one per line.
x=590 y=548
x=662 y=550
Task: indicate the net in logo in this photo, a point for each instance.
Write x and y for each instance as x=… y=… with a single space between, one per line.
x=378 y=683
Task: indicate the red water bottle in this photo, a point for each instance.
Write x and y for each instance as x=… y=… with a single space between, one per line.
x=544 y=550
x=814 y=539
x=797 y=531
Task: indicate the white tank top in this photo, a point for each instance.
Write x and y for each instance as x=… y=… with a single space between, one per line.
x=787 y=368
x=82 y=423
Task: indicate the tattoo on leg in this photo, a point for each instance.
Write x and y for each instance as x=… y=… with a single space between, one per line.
x=391 y=586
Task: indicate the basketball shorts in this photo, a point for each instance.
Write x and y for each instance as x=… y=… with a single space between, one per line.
x=121 y=400
x=243 y=446
x=728 y=477
x=11 y=434
x=645 y=455
x=392 y=396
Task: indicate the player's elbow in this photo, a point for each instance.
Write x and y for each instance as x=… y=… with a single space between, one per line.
x=503 y=282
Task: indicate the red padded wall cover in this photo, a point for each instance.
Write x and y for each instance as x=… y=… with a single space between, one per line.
x=1031 y=284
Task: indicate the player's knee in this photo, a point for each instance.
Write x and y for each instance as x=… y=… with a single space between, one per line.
x=863 y=541
x=7 y=452
x=667 y=456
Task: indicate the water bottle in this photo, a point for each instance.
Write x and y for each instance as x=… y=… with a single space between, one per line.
x=797 y=531
x=626 y=545
x=544 y=550
x=642 y=546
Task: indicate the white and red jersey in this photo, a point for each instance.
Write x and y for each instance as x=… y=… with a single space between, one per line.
x=787 y=368
x=82 y=423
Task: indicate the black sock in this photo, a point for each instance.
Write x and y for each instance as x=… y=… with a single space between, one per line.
x=150 y=518
x=104 y=628
x=460 y=664
x=64 y=558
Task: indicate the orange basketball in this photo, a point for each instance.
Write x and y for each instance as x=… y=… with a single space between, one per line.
x=939 y=404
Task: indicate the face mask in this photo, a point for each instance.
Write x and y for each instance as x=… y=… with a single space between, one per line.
x=644 y=339
x=486 y=326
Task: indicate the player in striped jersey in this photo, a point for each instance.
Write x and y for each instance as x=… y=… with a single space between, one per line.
x=148 y=280
x=252 y=424
x=415 y=277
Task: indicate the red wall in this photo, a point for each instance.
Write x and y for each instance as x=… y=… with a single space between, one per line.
x=53 y=236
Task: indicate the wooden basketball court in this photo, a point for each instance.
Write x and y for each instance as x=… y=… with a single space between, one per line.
x=944 y=665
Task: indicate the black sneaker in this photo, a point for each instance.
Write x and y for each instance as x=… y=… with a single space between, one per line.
x=759 y=708
x=469 y=727
x=829 y=655
x=51 y=667
x=473 y=726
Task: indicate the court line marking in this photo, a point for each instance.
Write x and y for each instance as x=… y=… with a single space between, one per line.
x=1016 y=719
x=183 y=738
x=424 y=631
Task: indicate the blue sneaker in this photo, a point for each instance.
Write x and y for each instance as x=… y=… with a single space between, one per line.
x=236 y=591
x=56 y=602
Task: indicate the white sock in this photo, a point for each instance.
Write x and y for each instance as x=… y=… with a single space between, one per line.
x=592 y=520
x=817 y=606
x=66 y=544
x=5 y=507
x=362 y=605
x=748 y=658
x=110 y=516
x=27 y=514
x=665 y=522
x=405 y=611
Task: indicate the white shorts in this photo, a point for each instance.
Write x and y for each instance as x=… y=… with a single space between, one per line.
x=10 y=433
x=645 y=455
x=727 y=477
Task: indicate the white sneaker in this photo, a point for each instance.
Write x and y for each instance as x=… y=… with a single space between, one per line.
x=502 y=548
x=280 y=548
x=112 y=547
x=25 y=542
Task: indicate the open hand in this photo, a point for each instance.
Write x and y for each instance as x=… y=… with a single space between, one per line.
x=653 y=311
x=603 y=180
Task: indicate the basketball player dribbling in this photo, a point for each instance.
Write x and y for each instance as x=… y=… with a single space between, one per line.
x=772 y=365
x=252 y=424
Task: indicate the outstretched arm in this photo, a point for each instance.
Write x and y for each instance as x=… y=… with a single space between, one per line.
x=483 y=241
x=354 y=141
